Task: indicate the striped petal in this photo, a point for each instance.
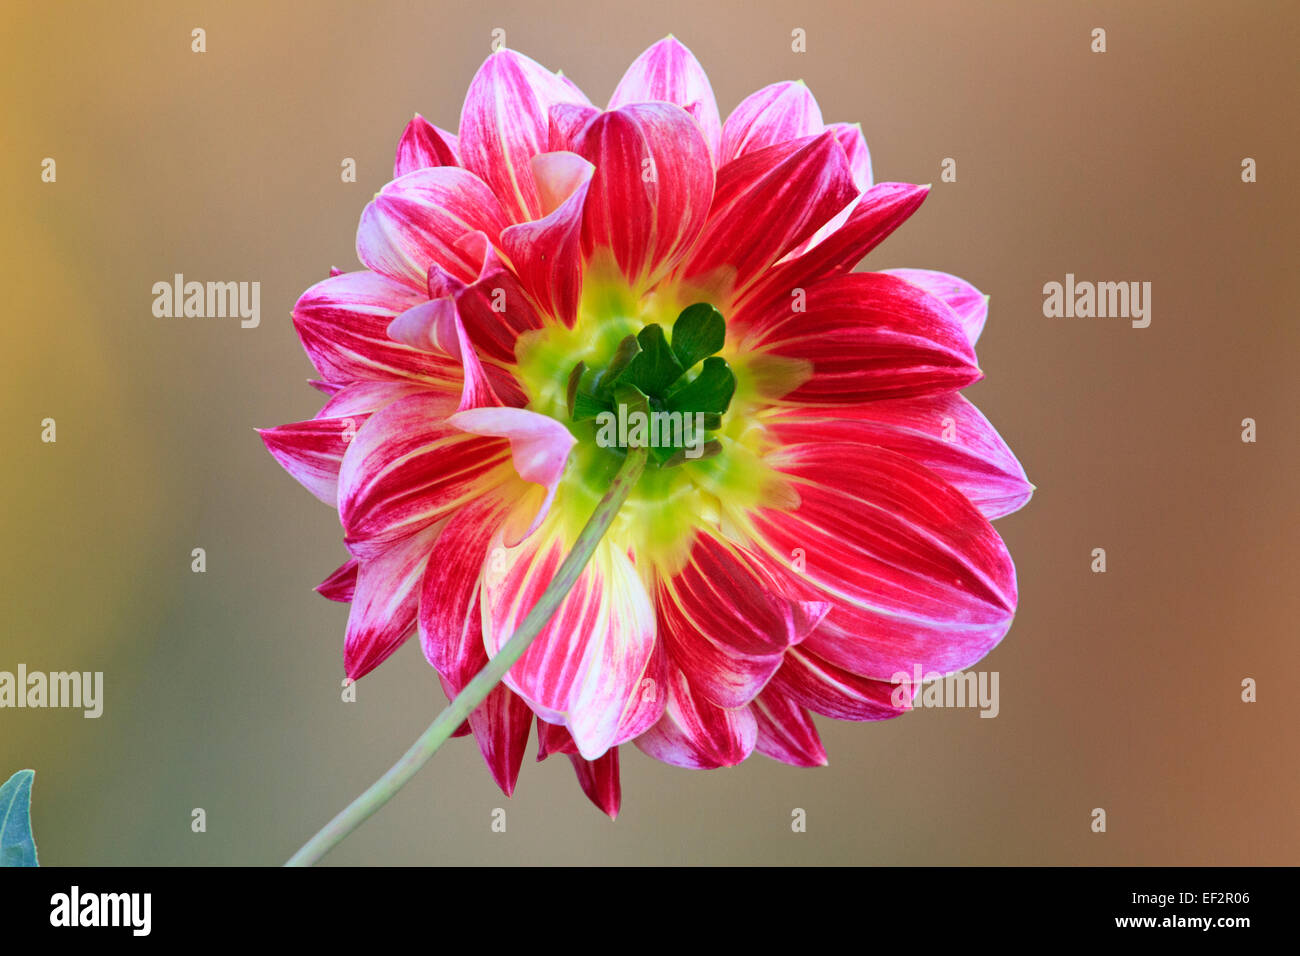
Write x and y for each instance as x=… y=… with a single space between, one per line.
x=696 y=733
x=651 y=190
x=547 y=253
x=786 y=731
x=969 y=303
x=863 y=337
x=342 y=584
x=416 y=220
x=918 y=577
x=408 y=468
x=668 y=72
x=599 y=780
x=775 y=114
x=811 y=681
x=854 y=144
x=383 y=611
x=505 y=123
x=493 y=305
x=436 y=325
x=343 y=324
x=945 y=433
x=792 y=189
x=595 y=667
x=727 y=619
x=423 y=145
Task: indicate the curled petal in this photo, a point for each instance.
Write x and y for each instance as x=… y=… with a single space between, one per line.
x=342 y=584
x=494 y=306
x=696 y=733
x=436 y=325
x=423 y=145
x=595 y=666
x=854 y=144
x=651 y=190
x=775 y=114
x=553 y=739
x=668 y=72
x=969 y=303
x=416 y=220
x=505 y=123
x=864 y=337
x=565 y=122
x=547 y=253
x=810 y=681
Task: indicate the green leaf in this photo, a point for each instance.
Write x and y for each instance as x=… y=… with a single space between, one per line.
x=17 y=845
x=710 y=391
x=698 y=333
x=655 y=367
x=627 y=350
x=711 y=449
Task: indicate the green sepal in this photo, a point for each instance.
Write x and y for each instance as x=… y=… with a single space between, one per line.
x=710 y=391
x=655 y=367
x=698 y=333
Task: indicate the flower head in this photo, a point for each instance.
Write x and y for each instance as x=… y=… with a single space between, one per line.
x=558 y=282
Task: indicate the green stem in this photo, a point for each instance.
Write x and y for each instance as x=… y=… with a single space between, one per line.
x=384 y=789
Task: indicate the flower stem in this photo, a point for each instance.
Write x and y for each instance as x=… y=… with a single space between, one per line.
x=383 y=789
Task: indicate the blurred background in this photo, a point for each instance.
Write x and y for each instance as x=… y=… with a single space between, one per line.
x=1119 y=690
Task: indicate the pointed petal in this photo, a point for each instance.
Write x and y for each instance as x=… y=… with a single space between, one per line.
x=588 y=668
x=877 y=213
x=791 y=188
x=727 y=619
x=775 y=114
x=500 y=725
x=494 y=306
x=917 y=575
x=312 y=452
x=696 y=733
x=786 y=731
x=505 y=123
x=970 y=304
x=343 y=324
x=945 y=433
x=342 y=584
x=382 y=615
x=651 y=190
x=850 y=138
x=416 y=220
x=436 y=325
x=668 y=72
x=423 y=145
x=548 y=252
x=811 y=681
x=407 y=468
x=599 y=780
x=553 y=739
x=864 y=337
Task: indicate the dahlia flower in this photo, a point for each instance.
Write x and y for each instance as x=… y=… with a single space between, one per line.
x=553 y=263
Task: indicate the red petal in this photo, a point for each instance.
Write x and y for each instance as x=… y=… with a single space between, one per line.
x=815 y=683
x=424 y=145
x=786 y=731
x=669 y=73
x=775 y=114
x=969 y=303
x=599 y=780
x=696 y=733
x=342 y=584
x=384 y=607
x=651 y=190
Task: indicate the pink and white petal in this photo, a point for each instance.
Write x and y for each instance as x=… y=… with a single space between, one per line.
x=423 y=145
x=588 y=668
x=494 y=306
x=917 y=575
x=792 y=189
x=970 y=304
x=875 y=214
x=416 y=220
x=945 y=433
x=505 y=123
x=727 y=618
x=786 y=731
x=343 y=325
x=383 y=611
x=500 y=725
x=539 y=450
x=436 y=325
x=773 y=115
x=312 y=452
x=651 y=191
x=668 y=72
x=696 y=733
x=362 y=399
x=553 y=739
x=547 y=253
x=407 y=468
x=342 y=584
x=599 y=780
x=864 y=337
x=811 y=681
